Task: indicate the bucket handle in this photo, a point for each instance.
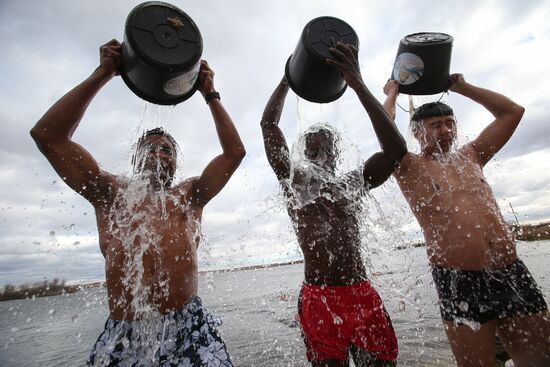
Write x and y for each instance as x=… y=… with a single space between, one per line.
x=440 y=97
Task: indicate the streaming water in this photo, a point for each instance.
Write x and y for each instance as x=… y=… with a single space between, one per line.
x=138 y=238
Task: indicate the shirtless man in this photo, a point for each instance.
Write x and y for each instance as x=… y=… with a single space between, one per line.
x=483 y=288
x=149 y=229
x=339 y=309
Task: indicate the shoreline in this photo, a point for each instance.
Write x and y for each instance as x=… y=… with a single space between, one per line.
x=521 y=232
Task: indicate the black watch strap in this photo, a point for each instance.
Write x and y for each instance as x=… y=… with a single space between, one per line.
x=211 y=95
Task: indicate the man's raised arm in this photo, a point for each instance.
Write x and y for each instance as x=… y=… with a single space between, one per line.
x=275 y=144
x=53 y=132
x=218 y=172
x=391 y=90
x=507 y=115
x=380 y=166
x=392 y=143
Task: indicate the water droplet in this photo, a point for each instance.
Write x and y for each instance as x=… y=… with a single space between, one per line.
x=52 y=233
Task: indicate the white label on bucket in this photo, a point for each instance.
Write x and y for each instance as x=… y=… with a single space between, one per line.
x=183 y=83
x=408 y=68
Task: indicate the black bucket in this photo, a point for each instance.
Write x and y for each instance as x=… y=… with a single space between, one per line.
x=307 y=71
x=161 y=53
x=422 y=63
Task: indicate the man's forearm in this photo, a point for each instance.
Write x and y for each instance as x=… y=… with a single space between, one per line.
x=228 y=135
x=389 y=105
x=274 y=108
x=391 y=141
x=62 y=119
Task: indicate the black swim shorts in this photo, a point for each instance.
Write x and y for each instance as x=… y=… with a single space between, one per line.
x=185 y=337
x=480 y=296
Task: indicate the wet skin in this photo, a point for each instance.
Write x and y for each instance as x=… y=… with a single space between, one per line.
x=327 y=227
x=454 y=205
x=149 y=229
x=170 y=241
x=447 y=190
x=462 y=223
x=325 y=210
x=328 y=234
x=452 y=201
x=155 y=231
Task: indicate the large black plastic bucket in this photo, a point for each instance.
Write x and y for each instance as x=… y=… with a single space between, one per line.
x=307 y=71
x=422 y=63
x=161 y=53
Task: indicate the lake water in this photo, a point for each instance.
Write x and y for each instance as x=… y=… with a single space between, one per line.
x=258 y=308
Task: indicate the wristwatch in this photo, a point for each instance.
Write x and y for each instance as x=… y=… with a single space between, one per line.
x=211 y=95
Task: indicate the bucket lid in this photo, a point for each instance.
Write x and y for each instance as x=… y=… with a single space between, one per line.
x=322 y=33
x=163 y=35
x=426 y=38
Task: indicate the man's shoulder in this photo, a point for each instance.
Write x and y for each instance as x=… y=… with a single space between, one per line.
x=105 y=188
x=408 y=163
x=468 y=151
x=186 y=185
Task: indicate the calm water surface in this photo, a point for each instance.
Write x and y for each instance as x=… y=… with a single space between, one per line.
x=258 y=308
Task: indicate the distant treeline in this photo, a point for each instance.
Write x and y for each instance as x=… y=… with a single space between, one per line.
x=522 y=232
x=531 y=232
x=41 y=289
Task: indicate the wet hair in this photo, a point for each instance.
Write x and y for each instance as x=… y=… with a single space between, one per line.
x=427 y=110
x=156 y=131
x=321 y=126
x=328 y=130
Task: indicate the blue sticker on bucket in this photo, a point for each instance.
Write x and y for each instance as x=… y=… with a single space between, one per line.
x=408 y=68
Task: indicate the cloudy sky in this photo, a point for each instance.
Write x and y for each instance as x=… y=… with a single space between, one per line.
x=48 y=47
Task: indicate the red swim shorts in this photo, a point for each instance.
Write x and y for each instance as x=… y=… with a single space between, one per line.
x=334 y=317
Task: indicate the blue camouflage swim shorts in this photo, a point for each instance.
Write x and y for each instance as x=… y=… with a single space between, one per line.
x=185 y=337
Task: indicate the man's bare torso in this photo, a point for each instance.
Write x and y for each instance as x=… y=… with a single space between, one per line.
x=326 y=222
x=456 y=210
x=149 y=241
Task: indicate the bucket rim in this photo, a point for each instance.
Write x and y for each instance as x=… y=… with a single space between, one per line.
x=155 y=100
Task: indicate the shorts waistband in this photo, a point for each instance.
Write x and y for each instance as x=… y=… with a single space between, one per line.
x=335 y=289
x=504 y=269
x=193 y=305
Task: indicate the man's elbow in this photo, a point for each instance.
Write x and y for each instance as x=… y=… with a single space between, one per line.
x=38 y=135
x=514 y=112
x=519 y=111
x=242 y=153
x=401 y=153
x=398 y=151
x=239 y=154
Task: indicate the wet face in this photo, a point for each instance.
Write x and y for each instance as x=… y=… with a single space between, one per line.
x=156 y=157
x=320 y=149
x=436 y=133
